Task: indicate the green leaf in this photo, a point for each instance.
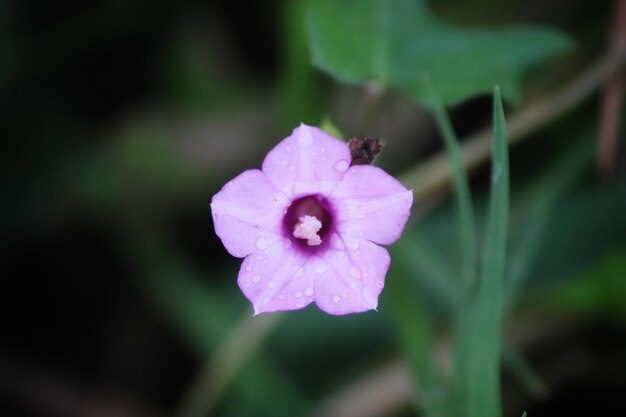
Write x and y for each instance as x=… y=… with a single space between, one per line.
x=414 y=330
x=394 y=42
x=482 y=328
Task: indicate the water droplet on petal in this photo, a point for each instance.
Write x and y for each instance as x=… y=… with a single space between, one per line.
x=322 y=268
x=287 y=148
x=271 y=284
x=297 y=294
x=299 y=273
x=287 y=244
x=341 y=165
x=261 y=243
x=308 y=292
x=281 y=297
x=259 y=257
x=256 y=278
x=266 y=301
x=355 y=246
x=336 y=299
x=292 y=168
x=248 y=268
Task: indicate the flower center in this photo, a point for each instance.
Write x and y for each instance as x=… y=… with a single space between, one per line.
x=308 y=221
x=307 y=228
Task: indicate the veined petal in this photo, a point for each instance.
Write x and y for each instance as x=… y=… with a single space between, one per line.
x=309 y=161
x=247 y=213
x=276 y=280
x=349 y=280
x=371 y=204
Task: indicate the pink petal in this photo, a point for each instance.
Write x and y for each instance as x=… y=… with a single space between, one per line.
x=349 y=280
x=276 y=280
x=247 y=213
x=309 y=161
x=371 y=204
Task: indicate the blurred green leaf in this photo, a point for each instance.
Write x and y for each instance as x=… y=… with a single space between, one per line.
x=414 y=330
x=430 y=270
x=542 y=197
x=600 y=289
x=395 y=42
x=481 y=384
x=329 y=127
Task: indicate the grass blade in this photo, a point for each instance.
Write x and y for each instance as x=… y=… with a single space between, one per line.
x=483 y=367
x=460 y=184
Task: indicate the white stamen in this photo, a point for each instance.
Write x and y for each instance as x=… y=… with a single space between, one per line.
x=307 y=228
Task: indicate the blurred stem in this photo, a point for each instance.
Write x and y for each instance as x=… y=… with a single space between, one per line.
x=613 y=96
x=224 y=364
x=465 y=211
x=429 y=176
x=299 y=86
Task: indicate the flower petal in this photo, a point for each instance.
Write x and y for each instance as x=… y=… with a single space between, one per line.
x=275 y=279
x=308 y=161
x=371 y=204
x=247 y=213
x=349 y=280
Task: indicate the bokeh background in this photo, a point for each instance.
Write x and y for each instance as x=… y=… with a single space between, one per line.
x=121 y=119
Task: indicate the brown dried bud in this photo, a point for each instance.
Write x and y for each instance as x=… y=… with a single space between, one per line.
x=364 y=149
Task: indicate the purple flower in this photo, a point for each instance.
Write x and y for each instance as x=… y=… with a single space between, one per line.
x=309 y=226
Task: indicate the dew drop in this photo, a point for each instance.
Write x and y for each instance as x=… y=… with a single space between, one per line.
x=341 y=165
x=287 y=148
x=336 y=299
x=297 y=294
x=266 y=301
x=271 y=284
x=287 y=244
x=292 y=168
x=248 y=268
x=281 y=297
x=308 y=292
x=261 y=243
x=322 y=268
x=299 y=273
x=355 y=246
x=256 y=278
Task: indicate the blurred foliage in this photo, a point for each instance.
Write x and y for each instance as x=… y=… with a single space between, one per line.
x=121 y=119
x=398 y=42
